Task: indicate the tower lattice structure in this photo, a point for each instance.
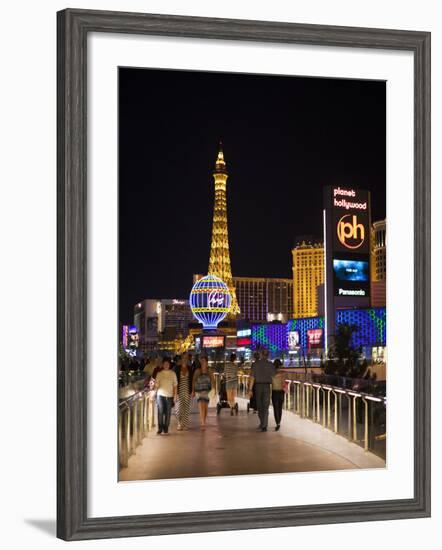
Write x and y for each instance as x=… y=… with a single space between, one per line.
x=219 y=263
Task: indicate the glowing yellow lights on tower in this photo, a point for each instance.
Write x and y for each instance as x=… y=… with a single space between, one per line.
x=308 y=274
x=219 y=262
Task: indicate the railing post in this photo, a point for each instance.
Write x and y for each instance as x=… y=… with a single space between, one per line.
x=313 y=403
x=301 y=404
x=146 y=413
x=151 y=409
x=304 y=400
x=134 y=425
x=318 y=404
x=328 y=408
x=355 y=428
x=324 y=406
x=122 y=436
x=141 y=421
x=335 y=429
x=349 y=429
x=366 y=424
x=129 y=431
x=307 y=402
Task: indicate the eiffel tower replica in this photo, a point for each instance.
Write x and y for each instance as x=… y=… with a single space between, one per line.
x=219 y=263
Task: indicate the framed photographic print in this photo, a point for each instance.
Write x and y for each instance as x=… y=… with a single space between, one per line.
x=225 y=304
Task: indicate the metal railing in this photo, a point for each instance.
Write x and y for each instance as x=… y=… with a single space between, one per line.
x=135 y=419
x=365 y=385
x=360 y=417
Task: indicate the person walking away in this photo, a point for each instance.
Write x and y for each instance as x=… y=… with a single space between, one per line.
x=252 y=398
x=260 y=382
x=202 y=384
x=278 y=385
x=184 y=377
x=166 y=384
x=231 y=378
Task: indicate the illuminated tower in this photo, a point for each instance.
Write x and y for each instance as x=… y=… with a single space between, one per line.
x=219 y=263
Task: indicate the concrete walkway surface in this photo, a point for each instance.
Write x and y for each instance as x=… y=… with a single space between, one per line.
x=232 y=446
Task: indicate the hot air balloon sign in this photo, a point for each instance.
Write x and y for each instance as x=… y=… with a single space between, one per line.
x=210 y=301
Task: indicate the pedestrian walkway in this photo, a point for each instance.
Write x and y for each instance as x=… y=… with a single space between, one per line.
x=233 y=446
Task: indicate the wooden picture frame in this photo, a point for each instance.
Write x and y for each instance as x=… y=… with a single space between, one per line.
x=73 y=28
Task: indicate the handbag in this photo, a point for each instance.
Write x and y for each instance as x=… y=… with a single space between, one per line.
x=203 y=383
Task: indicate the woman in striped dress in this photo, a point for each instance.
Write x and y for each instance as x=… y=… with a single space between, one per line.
x=231 y=378
x=182 y=409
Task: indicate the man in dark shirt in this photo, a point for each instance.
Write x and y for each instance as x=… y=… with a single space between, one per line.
x=261 y=379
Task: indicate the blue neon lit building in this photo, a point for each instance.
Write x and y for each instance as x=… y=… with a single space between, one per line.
x=371 y=323
x=270 y=336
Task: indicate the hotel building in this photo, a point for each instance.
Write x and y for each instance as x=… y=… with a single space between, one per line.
x=308 y=274
x=264 y=299
x=378 y=264
x=152 y=317
x=379 y=251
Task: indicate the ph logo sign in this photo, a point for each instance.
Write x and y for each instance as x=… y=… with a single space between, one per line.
x=351 y=233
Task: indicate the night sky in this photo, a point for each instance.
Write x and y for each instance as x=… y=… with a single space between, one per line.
x=284 y=139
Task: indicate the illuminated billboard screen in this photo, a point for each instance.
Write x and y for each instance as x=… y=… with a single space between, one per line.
x=197 y=344
x=351 y=270
x=244 y=337
x=213 y=341
x=134 y=337
x=314 y=338
x=293 y=339
x=352 y=277
x=125 y=336
x=241 y=342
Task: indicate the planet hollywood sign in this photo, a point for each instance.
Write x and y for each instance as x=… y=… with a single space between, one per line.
x=351 y=234
x=347 y=222
x=351 y=219
x=344 y=203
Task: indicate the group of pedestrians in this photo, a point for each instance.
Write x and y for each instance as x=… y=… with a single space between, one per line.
x=177 y=382
x=176 y=385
